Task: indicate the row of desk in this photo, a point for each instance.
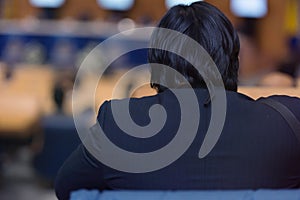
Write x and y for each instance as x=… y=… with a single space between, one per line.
x=28 y=97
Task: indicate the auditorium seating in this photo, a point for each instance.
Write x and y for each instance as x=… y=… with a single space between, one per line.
x=27 y=96
x=60 y=139
x=189 y=195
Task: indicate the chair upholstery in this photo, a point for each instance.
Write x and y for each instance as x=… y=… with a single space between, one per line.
x=60 y=140
x=188 y=195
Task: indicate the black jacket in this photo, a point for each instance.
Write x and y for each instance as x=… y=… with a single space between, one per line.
x=257 y=149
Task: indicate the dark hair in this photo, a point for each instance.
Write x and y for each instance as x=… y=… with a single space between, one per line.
x=212 y=30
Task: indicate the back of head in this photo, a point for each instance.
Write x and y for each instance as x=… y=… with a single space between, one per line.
x=209 y=27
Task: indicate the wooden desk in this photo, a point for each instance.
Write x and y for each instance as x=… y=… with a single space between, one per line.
x=18 y=114
x=253 y=92
x=256 y=92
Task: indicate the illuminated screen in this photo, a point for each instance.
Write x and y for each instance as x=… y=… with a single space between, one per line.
x=47 y=3
x=170 y=3
x=121 y=5
x=249 y=8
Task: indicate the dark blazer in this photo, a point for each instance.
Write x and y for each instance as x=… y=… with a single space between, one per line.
x=257 y=149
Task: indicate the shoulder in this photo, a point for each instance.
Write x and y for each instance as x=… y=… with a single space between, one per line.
x=138 y=107
x=133 y=103
x=285 y=98
x=290 y=102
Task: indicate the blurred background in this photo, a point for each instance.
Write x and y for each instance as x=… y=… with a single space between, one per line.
x=43 y=43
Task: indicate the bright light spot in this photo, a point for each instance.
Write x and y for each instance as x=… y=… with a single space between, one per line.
x=170 y=3
x=126 y=24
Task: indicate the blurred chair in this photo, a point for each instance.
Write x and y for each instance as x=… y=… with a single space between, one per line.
x=60 y=140
x=191 y=195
